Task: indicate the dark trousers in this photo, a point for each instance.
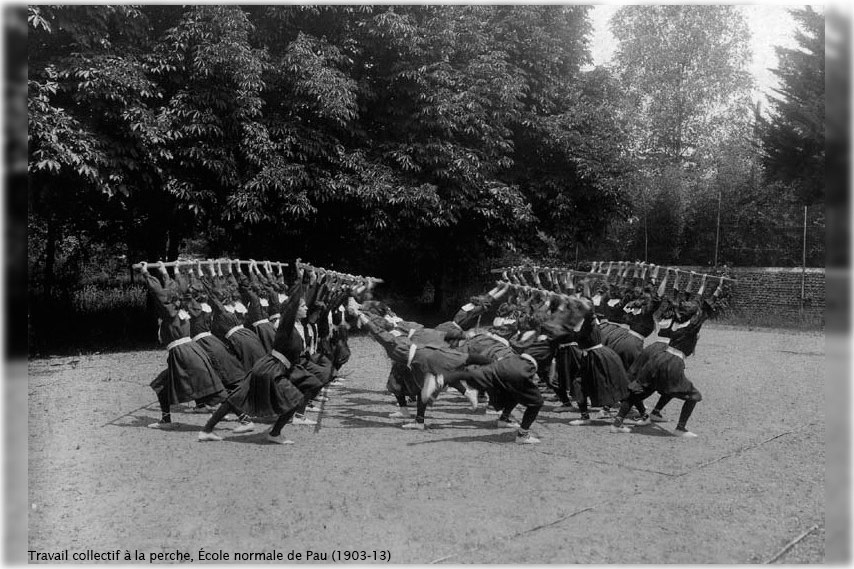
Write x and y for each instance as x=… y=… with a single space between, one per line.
x=637 y=394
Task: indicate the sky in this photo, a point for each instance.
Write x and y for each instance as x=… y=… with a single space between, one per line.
x=770 y=25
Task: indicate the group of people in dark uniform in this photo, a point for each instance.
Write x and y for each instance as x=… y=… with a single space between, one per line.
x=244 y=344
x=588 y=347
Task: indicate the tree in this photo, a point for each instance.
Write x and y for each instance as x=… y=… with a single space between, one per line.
x=96 y=145
x=793 y=137
x=212 y=82
x=456 y=126
x=686 y=89
x=441 y=135
x=683 y=67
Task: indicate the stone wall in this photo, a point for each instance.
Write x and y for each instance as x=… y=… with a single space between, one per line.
x=762 y=296
x=771 y=296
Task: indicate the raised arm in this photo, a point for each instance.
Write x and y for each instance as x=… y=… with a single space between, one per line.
x=162 y=297
x=289 y=309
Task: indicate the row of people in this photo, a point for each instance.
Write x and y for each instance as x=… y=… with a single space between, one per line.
x=462 y=354
x=628 y=315
x=596 y=360
x=214 y=359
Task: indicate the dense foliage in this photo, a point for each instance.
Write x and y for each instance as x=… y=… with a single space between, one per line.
x=705 y=188
x=422 y=143
x=434 y=129
x=793 y=137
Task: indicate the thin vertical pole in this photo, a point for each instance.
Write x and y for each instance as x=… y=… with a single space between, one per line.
x=804 y=261
x=718 y=229
x=645 y=228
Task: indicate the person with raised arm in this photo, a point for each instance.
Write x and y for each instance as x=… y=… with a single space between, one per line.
x=333 y=330
x=569 y=360
x=612 y=299
x=603 y=378
x=276 y=383
x=195 y=301
x=272 y=299
x=317 y=359
x=253 y=296
x=509 y=376
x=665 y=317
x=533 y=340
x=427 y=363
x=664 y=372
x=190 y=375
x=479 y=309
x=639 y=311
x=225 y=323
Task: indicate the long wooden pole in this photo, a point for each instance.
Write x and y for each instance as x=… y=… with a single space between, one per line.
x=558 y=269
x=327 y=271
x=205 y=261
x=627 y=266
x=193 y=263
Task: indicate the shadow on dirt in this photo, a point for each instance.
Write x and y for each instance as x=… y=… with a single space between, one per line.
x=143 y=422
x=494 y=437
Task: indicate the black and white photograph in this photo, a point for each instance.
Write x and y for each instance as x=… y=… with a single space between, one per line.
x=428 y=283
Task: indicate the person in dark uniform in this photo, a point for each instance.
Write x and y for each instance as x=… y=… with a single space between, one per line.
x=225 y=323
x=510 y=376
x=253 y=295
x=426 y=362
x=664 y=372
x=639 y=314
x=275 y=385
x=225 y=362
x=190 y=375
x=603 y=378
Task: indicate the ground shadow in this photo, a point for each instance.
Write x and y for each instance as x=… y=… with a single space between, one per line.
x=652 y=431
x=257 y=438
x=350 y=401
x=355 y=390
x=355 y=421
x=143 y=422
x=504 y=436
x=350 y=413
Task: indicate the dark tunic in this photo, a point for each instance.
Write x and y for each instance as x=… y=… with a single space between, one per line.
x=536 y=345
x=289 y=342
x=267 y=390
x=664 y=370
x=227 y=327
x=511 y=375
x=256 y=315
x=227 y=365
x=191 y=375
x=603 y=377
x=638 y=314
x=478 y=312
x=396 y=345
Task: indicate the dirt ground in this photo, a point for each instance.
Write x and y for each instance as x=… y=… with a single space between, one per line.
x=459 y=492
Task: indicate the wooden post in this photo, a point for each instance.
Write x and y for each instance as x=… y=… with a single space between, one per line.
x=804 y=266
x=718 y=229
x=645 y=227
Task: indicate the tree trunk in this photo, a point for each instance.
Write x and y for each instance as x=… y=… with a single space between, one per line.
x=129 y=256
x=50 y=257
x=174 y=243
x=441 y=285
